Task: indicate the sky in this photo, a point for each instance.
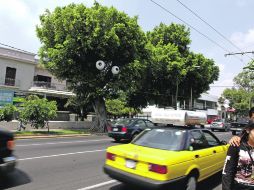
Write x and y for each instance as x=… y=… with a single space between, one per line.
x=232 y=18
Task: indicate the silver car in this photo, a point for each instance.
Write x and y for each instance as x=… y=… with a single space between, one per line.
x=220 y=124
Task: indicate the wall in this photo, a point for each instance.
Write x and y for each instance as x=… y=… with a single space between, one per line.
x=52 y=125
x=60 y=85
x=24 y=72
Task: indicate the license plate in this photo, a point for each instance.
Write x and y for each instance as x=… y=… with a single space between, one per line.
x=115 y=129
x=130 y=164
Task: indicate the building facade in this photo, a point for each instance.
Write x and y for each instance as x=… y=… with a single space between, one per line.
x=21 y=75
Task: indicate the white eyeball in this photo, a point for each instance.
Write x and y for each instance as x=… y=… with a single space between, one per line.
x=100 y=64
x=115 y=70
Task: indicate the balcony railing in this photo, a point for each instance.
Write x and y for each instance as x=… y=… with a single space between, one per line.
x=9 y=82
x=49 y=85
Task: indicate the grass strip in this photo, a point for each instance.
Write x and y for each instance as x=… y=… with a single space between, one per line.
x=52 y=132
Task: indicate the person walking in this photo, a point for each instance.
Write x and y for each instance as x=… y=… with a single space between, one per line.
x=21 y=126
x=238 y=171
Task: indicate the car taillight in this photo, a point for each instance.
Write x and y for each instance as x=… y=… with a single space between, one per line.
x=124 y=129
x=158 y=168
x=111 y=156
x=109 y=128
x=10 y=145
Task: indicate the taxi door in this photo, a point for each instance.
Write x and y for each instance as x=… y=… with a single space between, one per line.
x=203 y=156
x=218 y=150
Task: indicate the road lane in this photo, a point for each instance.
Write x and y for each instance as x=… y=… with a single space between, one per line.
x=65 y=172
x=45 y=147
x=76 y=168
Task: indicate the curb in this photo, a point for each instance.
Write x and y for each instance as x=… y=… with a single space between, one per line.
x=50 y=136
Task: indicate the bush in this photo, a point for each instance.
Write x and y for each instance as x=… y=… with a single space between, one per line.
x=7 y=112
x=38 y=111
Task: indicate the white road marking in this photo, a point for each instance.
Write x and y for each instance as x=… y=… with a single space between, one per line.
x=61 y=142
x=57 y=155
x=99 y=185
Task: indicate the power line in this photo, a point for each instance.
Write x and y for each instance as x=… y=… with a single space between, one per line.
x=241 y=53
x=211 y=40
x=16 y=48
x=219 y=33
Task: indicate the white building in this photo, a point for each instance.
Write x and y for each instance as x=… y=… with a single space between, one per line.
x=205 y=103
x=20 y=74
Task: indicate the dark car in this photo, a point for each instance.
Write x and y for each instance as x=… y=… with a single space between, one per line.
x=239 y=125
x=128 y=129
x=7 y=159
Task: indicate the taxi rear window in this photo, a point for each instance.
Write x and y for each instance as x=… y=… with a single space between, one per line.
x=161 y=139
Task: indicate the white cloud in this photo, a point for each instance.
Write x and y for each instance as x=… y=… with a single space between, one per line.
x=241 y=3
x=15 y=9
x=224 y=82
x=243 y=40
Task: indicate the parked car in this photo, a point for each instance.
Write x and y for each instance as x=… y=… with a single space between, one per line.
x=162 y=157
x=128 y=129
x=210 y=118
x=239 y=125
x=220 y=124
x=7 y=159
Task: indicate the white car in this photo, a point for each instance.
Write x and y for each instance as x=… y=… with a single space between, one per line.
x=220 y=124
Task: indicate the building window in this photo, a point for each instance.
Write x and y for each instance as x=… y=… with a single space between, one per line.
x=10 y=76
x=42 y=81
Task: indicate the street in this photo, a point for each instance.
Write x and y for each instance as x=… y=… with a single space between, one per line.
x=72 y=164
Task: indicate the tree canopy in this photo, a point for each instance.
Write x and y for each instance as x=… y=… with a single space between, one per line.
x=75 y=37
x=241 y=98
x=173 y=70
x=153 y=65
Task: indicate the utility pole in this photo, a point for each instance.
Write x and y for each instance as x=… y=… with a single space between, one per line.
x=242 y=53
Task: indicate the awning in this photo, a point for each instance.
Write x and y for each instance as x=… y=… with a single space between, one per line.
x=51 y=92
x=231 y=110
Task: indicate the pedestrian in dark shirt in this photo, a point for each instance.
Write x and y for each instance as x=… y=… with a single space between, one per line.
x=238 y=171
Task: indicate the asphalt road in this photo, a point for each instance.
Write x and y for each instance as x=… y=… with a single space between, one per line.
x=71 y=164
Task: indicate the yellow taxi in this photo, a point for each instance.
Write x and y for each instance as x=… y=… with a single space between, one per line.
x=163 y=157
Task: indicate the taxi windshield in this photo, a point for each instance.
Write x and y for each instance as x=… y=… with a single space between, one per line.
x=161 y=139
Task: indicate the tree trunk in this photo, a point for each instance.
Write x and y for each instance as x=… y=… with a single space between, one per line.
x=100 y=123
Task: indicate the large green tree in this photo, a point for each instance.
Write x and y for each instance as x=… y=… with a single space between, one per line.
x=119 y=106
x=241 y=98
x=75 y=37
x=175 y=71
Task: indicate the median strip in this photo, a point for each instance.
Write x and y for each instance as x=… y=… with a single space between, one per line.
x=57 y=155
x=99 y=185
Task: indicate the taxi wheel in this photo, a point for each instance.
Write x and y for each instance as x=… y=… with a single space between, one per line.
x=191 y=183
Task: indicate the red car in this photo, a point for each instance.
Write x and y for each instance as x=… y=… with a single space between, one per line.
x=210 y=119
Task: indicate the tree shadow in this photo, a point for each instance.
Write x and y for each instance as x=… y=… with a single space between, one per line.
x=14 y=179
